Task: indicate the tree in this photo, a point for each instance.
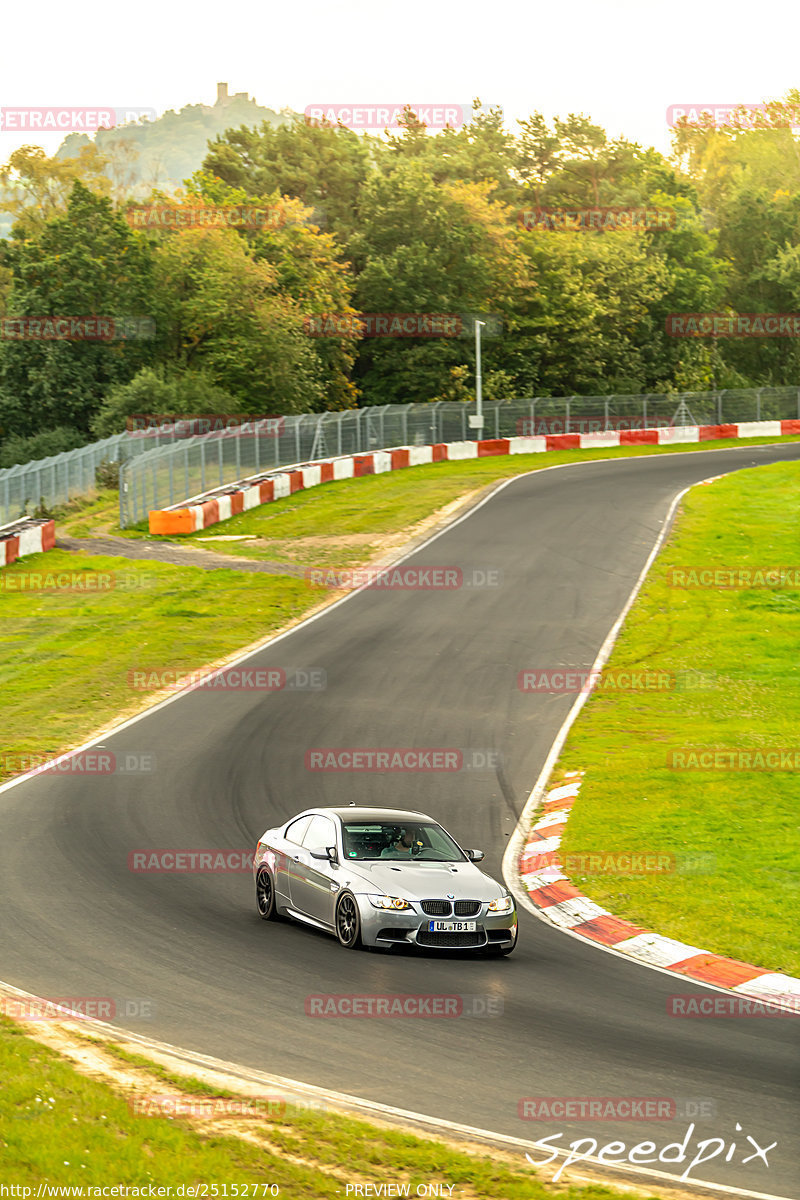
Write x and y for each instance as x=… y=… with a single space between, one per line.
x=322 y=165
x=224 y=318
x=86 y=262
x=423 y=248
x=36 y=188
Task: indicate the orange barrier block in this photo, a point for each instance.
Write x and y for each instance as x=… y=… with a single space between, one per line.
x=173 y=520
x=295 y=481
x=439 y=451
x=49 y=535
x=237 y=503
x=326 y=472
x=493 y=446
x=399 y=459
x=790 y=427
x=266 y=490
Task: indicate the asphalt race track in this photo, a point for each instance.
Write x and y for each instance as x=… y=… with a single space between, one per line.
x=404 y=669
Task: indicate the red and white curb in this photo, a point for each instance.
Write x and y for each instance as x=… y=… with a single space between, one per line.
x=29 y=535
x=557 y=899
x=219 y=504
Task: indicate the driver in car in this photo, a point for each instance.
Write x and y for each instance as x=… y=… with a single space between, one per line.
x=403 y=847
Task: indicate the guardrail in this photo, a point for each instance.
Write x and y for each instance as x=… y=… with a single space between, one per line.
x=161 y=466
x=198 y=512
x=168 y=475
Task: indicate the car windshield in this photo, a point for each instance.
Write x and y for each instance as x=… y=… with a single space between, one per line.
x=420 y=841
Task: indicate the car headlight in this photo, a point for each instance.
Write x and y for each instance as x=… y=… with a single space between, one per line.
x=395 y=902
x=501 y=904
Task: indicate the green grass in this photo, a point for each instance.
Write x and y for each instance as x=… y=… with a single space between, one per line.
x=65 y=656
x=375 y=506
x=746 y=642
x=64 y=1128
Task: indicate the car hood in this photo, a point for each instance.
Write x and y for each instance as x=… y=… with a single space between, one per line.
x=415 y=881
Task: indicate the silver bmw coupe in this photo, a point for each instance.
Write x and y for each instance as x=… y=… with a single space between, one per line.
x=382 y=877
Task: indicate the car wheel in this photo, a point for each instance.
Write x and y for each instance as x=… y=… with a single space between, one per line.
x=265 y=896
x=348 y=923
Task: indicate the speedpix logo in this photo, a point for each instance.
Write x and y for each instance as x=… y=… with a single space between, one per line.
x=616 y=1153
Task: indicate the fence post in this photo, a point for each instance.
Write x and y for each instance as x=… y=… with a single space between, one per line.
x=758 y=404
x=719 y=408
x=202 y=466
x=605 y=417
x=644 y=413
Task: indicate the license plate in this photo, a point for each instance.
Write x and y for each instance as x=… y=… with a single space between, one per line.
x=451 y=926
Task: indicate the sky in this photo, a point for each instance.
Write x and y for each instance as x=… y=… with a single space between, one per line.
x=622 y=62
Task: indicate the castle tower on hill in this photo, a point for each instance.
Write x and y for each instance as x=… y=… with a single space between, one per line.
x=224 y=99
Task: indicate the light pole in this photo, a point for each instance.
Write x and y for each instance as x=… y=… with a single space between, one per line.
x=477 y=421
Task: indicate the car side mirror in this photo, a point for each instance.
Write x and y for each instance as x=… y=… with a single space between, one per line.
x=327 y=853
x=475 y=855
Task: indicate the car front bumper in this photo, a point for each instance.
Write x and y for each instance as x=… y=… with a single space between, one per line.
x=410 y=927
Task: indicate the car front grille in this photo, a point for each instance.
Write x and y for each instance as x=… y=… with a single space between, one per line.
x=436 y=908
x=467 y=908
x=452 y=941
